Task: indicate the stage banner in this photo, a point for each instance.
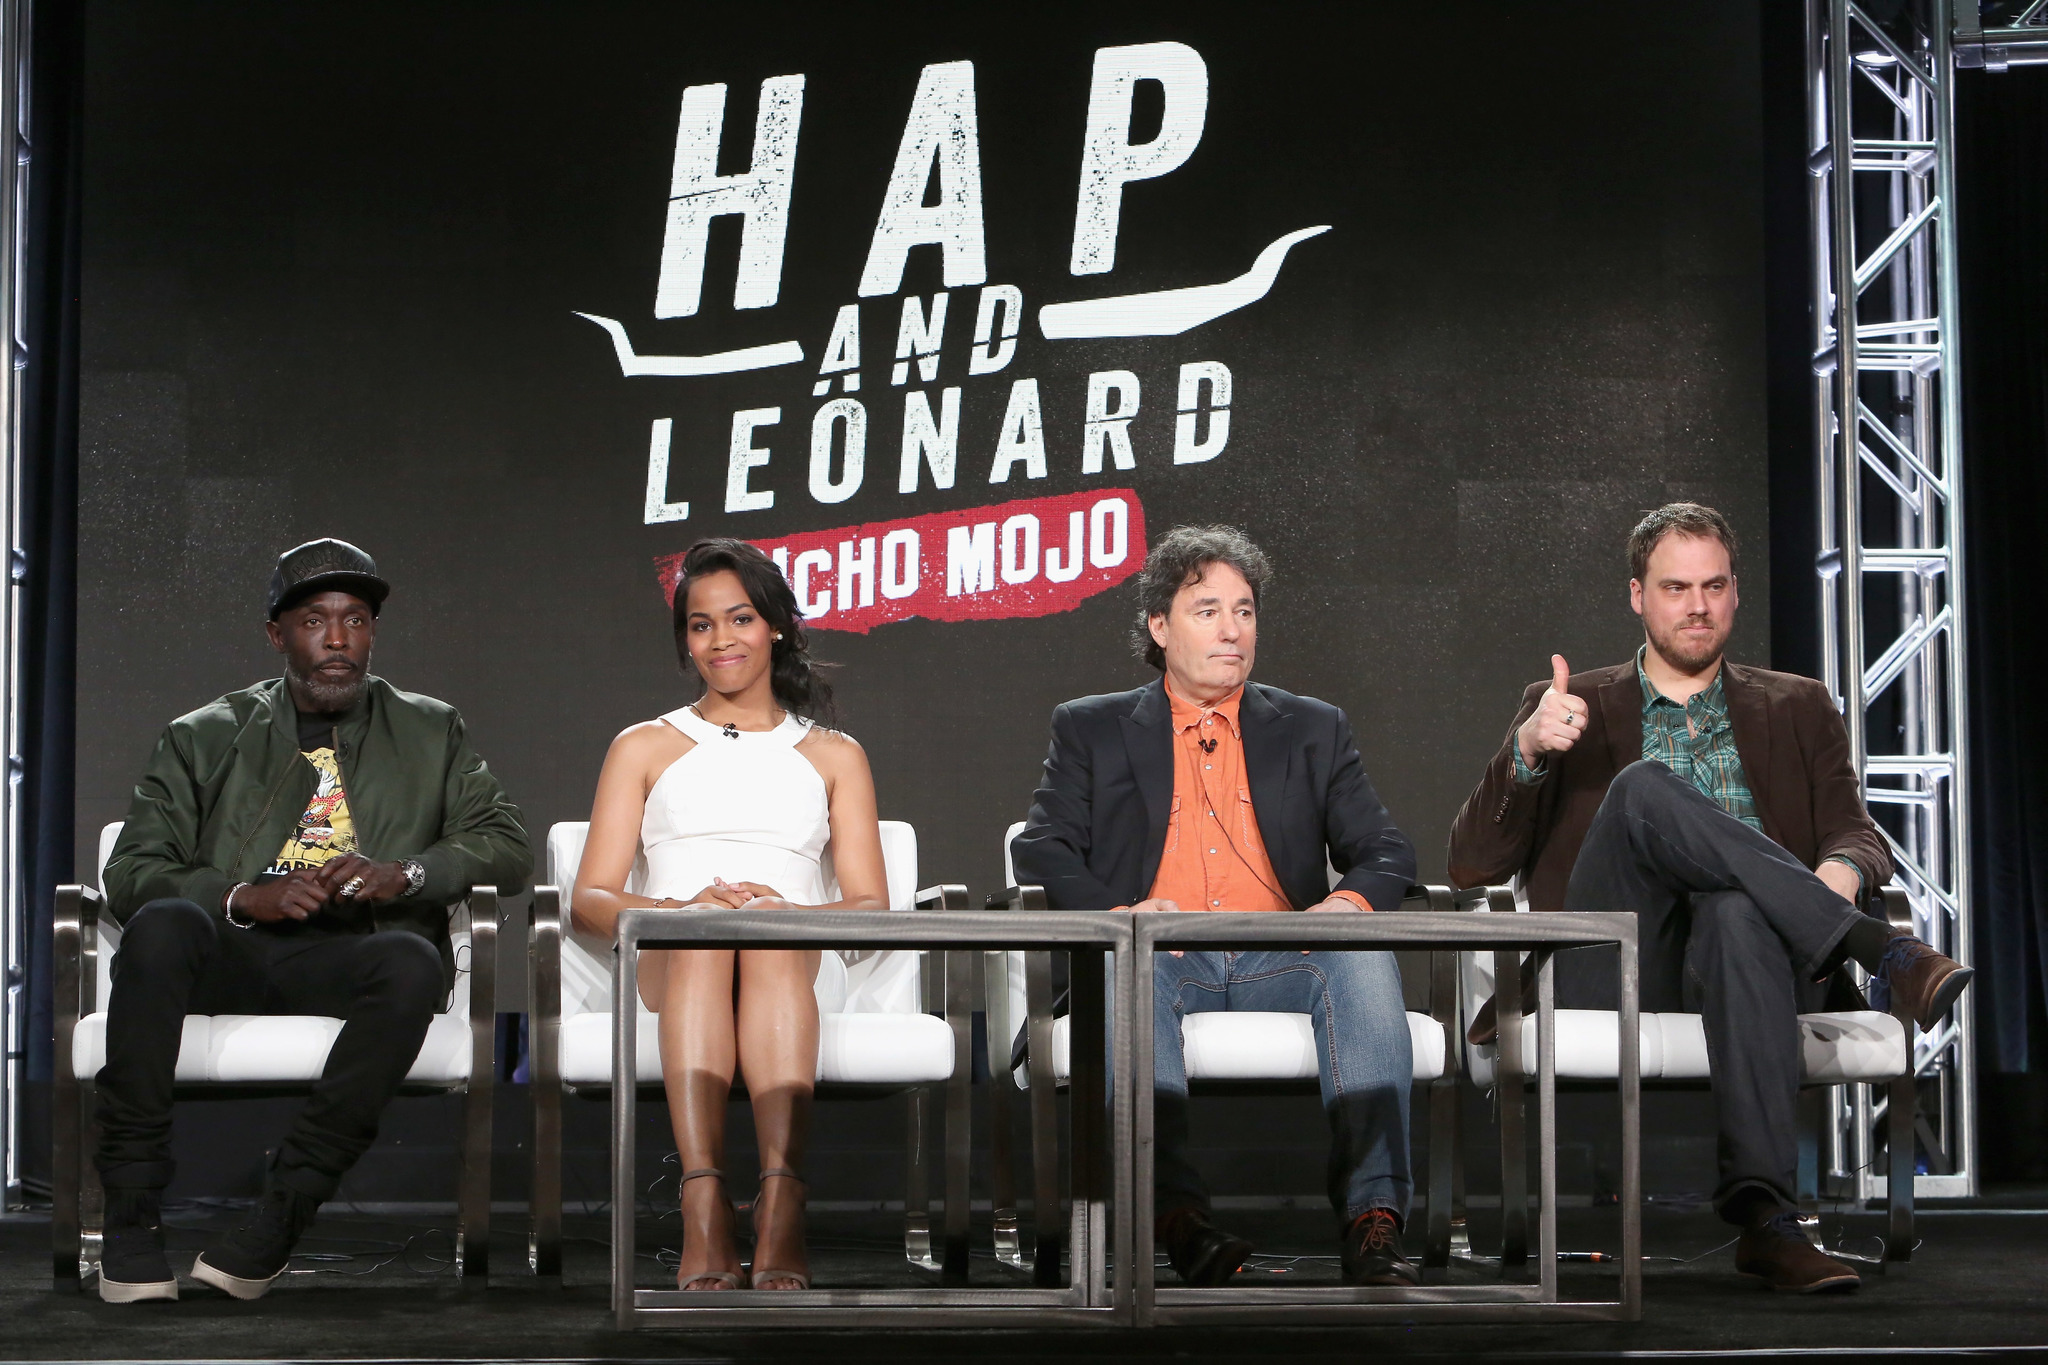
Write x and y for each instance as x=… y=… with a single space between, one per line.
x=954 y=310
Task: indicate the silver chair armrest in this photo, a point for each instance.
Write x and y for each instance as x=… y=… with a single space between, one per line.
x=1902 y=1109
x=1038 y=998
x=544 y=987
x=1443 y=970
x=947 y=988
x=479 y=916
x=544 y=1058
x=932 y=996
x=75 y=954
x=1446 y=1213
x=75 y=959
x=1035 y=1042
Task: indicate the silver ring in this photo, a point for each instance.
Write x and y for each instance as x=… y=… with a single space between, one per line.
x=350 y=887
x=1571 y=717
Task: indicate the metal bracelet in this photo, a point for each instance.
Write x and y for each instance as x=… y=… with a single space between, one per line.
x=227 y=908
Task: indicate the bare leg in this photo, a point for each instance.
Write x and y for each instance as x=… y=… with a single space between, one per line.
x=778 y=1053
x=692 y=990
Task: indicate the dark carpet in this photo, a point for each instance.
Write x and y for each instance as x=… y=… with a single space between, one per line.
x=371 y=1286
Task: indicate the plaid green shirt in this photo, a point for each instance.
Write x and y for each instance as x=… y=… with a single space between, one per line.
x=1697 y=742
x=1703 y=753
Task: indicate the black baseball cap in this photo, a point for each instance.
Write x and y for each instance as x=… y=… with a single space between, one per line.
x=325 y=566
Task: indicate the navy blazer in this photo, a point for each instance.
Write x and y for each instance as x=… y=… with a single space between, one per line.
x=1098 y=821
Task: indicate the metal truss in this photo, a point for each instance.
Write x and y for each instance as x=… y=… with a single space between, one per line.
x=15 y=18
x=1887 y=436
x=2004 y=33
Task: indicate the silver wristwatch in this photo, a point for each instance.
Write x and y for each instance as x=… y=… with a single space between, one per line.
x=415 y=876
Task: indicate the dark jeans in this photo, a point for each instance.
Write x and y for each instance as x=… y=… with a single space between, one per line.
x=175 y=959
x=1363 y=1059
x=1732 y=928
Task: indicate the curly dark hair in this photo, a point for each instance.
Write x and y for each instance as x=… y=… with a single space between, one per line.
x=1181 y=557
x=793 y=674
x=1691 y=519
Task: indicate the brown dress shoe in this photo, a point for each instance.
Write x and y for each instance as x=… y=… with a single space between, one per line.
x=1913 y=975
x=1778 y=1253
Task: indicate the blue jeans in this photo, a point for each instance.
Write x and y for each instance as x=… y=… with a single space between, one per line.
x=1363 y=1058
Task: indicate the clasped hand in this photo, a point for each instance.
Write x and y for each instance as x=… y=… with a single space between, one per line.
x=307 y=891
x=732 y=895
x=1161 y=903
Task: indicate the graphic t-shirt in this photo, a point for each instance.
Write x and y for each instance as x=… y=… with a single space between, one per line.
x=326 y=829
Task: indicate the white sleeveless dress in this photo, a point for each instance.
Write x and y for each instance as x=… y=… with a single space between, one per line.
x=741 y=805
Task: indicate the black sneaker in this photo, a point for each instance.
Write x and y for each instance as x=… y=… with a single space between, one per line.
x=244 y=1262
x=1202 y=1254
x=132 y=1264
x=1372 y=1252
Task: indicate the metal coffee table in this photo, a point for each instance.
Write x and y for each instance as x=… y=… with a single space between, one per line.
x=1101 y=1159
x=1507 y=935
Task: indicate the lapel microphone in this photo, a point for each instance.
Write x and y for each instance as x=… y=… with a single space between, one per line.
x=1208 y=745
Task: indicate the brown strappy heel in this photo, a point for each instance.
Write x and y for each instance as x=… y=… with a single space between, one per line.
x=717 y=1279
x=802 y=1278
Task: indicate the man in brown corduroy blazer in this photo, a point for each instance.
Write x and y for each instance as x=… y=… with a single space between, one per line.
x=1721 y=805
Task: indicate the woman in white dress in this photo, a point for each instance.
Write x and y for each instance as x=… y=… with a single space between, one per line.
x=732 y=801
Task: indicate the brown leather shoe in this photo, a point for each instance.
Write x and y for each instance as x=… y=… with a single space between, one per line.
x=1779 y=1254
x=1913 y=975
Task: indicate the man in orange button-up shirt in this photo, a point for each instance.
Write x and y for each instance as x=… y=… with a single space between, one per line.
x=1214 y=857
x=1206 y=791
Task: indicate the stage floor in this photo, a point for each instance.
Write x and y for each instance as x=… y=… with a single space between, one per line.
x=378 y=1286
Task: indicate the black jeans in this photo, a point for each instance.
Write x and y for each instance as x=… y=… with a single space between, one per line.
x=1731 y=927
x=175 y=959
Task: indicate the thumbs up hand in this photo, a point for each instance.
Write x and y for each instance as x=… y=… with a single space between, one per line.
x=1558 y=721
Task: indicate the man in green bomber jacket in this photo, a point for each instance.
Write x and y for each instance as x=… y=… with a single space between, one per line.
x=291 y=849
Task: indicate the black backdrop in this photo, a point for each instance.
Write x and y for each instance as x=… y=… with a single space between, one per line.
x=332 y=256
x=2002 y=164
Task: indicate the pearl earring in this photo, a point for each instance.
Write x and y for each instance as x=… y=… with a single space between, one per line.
x=778 y=635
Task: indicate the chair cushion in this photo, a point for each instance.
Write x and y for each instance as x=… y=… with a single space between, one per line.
x=1254 y=1045
x=1858 y=1045
x=865 y=1049
x=275 y=1049
x=1861 y=1045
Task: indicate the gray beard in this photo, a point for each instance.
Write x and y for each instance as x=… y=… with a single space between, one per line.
x=330 y=696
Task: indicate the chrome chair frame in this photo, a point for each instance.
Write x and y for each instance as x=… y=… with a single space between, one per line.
x=1310 y=1304
x=1101 y=1161
x=78 y=1202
